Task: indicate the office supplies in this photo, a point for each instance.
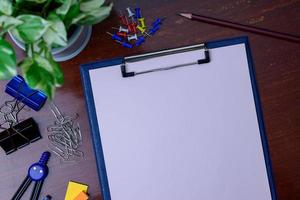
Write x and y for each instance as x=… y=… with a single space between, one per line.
x=121 y=29
x=125 y=44
x=158 y=22
x=138 y=13
x=20 y=135
x=82 y=196
x=191 y=131
x=114 y=36
x=132 y=27
x=141 y=29
x=130 y=13
x=242 y=27
x=19 y=89
x=142 y=22
x=122 y=34
x=65 y=136
x=140 y=40
x=48 y=197
x=9 y=113
x=153 y=30
x=37 y=173
x=123 y=20
x=74 y=189
x=132 y=37
x=135 y=32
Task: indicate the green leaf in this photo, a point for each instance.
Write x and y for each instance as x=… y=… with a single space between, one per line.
x=72 y=13
x=32 y=28
x=8 y=22
x=87 y=6
x=56 y=34
x=58 y=74
x=93 y=17
x=6 y=7
x=7 y=60
x=34 y=1
x=60 y=1
x=65 y=7
x=37 y=75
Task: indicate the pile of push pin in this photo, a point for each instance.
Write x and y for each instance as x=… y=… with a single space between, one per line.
x=133 y=32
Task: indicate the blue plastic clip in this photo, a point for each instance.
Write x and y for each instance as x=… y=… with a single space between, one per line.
x=19 y=89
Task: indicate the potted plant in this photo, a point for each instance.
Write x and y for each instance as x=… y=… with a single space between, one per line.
x=43 y=27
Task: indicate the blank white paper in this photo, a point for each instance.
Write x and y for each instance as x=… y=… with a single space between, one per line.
x=185 y=134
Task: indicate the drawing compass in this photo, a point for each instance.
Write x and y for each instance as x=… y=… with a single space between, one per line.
x=37 y=173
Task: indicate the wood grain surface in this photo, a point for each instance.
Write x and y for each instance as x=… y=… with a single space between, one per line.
x=277 y=66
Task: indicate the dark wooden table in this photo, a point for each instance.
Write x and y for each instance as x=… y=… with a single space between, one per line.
x=277 y=65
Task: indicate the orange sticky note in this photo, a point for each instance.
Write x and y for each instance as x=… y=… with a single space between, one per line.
x=82 y=196
x=74 y=189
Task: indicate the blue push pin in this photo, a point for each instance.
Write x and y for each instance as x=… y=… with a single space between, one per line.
x=140 y=40
x=125 y=44
x=18 y=88
x=114 y=36
x=37 y=172
x=158 y=22
x=138 y=13
x=153 y=30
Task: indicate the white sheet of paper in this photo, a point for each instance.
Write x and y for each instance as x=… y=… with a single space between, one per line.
x=185 y=134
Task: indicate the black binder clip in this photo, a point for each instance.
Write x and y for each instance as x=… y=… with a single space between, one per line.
x=19 y=136
x=19 y=89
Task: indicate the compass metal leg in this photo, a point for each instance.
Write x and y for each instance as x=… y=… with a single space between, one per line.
x=23 y=187
x=36 y=190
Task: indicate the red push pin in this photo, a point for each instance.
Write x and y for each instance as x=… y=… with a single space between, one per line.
x=132 y=27
x=122 y=34
x=123 y=19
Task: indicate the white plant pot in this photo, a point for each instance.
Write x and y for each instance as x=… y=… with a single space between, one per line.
x=76 y=43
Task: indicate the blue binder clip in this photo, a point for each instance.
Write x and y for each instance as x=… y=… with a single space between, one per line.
x=19 y=89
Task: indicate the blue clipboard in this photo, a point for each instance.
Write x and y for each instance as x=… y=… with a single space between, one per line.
x=89 y=96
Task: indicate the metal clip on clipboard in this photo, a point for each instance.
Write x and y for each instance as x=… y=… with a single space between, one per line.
x=126 y=74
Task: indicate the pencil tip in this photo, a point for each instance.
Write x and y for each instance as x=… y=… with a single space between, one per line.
x=186 y=15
